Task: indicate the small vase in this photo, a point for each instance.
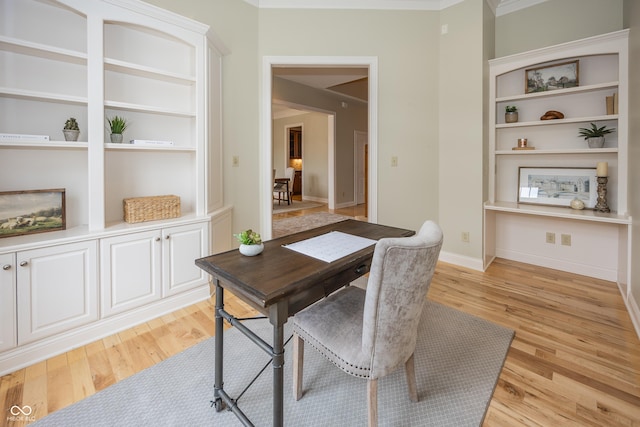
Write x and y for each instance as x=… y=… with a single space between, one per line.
x=116 y=138
x=596 y=142
x=511 y=117
x=251 y=250
x=70 y=134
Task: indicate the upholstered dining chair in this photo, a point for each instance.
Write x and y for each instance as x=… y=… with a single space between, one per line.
x=370 y=333
x=283 y=188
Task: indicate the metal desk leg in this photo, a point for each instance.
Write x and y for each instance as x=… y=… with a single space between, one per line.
x=278 y=317
x=218 y=383
x=278 y=375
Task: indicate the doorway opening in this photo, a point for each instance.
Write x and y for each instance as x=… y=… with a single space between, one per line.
x=266 y=131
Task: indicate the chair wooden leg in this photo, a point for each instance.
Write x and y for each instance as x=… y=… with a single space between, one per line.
x=372 y=397
x=410 y=372
x=298 y=356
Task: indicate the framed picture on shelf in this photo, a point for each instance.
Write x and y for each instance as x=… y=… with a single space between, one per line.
x=552 y=77
x=557 y=186
x=31 y=211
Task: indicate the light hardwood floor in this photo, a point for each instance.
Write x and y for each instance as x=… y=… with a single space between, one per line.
x=575 y=359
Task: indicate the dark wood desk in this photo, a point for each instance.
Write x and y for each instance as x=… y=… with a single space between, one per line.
x=278 y=283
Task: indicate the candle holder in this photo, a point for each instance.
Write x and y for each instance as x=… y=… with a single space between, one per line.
x=601 y=203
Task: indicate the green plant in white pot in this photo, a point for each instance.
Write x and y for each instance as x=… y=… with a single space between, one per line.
x=250 y=242
x=117 y=126
x=595 y=135
x=71 y=130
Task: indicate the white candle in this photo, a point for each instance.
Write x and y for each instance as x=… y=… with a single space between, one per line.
x=602 y=169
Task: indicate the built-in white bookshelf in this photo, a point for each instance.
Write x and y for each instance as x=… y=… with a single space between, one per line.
x=93 y=59
x=586 y=241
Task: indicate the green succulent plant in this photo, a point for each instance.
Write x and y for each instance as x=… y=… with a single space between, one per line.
x=117 y=124
x=71 y=124
x=510 y=109
x=248 y=237
x=594 y=131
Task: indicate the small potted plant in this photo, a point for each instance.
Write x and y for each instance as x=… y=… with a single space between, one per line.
x=71 y=130
x=510 y=114
x=117 y=126
x=250 y=242
x=595 y=135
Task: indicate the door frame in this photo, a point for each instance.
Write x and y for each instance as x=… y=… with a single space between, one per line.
x=266 y=131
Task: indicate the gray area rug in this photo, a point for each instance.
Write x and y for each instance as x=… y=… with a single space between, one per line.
x=458 y=361
x=283 y=227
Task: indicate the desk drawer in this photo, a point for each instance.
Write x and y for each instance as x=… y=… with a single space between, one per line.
x=326 y=287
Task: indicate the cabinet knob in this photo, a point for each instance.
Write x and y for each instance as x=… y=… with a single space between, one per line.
x=157 y=239
x=23 y=263
x=6 y=267
x=167 y=237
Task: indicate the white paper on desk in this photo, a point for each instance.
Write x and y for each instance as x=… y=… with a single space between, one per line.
x=331 y=246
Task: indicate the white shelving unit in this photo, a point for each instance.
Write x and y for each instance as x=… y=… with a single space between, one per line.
x=599 y=242
x=93 y=59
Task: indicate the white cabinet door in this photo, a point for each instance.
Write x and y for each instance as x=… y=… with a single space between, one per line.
x=182 y=246
x=130 y=271
x=56 y=289
x=8 y=332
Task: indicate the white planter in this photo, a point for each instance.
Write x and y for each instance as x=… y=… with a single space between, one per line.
x=596 y=142
x=70 y=134
x=116 y=138
x=251 y=250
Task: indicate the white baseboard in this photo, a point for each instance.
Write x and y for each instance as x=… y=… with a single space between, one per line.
x=28 y=354
x=315 y=199
x=633 y=310
x=560 y=264
x=461 y=260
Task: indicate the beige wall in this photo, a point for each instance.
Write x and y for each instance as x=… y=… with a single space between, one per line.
x=461 y=186
x=632 y=21
x=315 y=152
x=405 y=43
x=350 y=119
x=555 y=21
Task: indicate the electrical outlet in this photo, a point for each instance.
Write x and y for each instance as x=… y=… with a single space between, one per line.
x=464 y=236
x=394 y=161
x=551 y=237
x=565 y=239
x=235 y=161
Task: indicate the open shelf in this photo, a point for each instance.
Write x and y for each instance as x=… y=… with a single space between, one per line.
x=558 y=212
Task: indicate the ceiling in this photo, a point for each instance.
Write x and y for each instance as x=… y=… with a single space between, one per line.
x=333 y=79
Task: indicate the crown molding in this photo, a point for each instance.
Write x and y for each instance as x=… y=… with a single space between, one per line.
x=508 y=6
x=355 y=4
x=498 y=7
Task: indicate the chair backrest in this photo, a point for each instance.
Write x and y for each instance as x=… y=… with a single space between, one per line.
x=289 y=173
x=401 y=272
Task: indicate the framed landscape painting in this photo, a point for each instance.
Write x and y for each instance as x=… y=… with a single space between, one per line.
x=557 y=186
x=31 y=211
x=552 y=77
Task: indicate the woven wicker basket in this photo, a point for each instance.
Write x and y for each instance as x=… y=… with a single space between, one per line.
x=139 y=209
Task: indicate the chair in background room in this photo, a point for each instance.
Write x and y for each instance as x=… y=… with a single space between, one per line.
x=283 y=187
x=370 y=333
